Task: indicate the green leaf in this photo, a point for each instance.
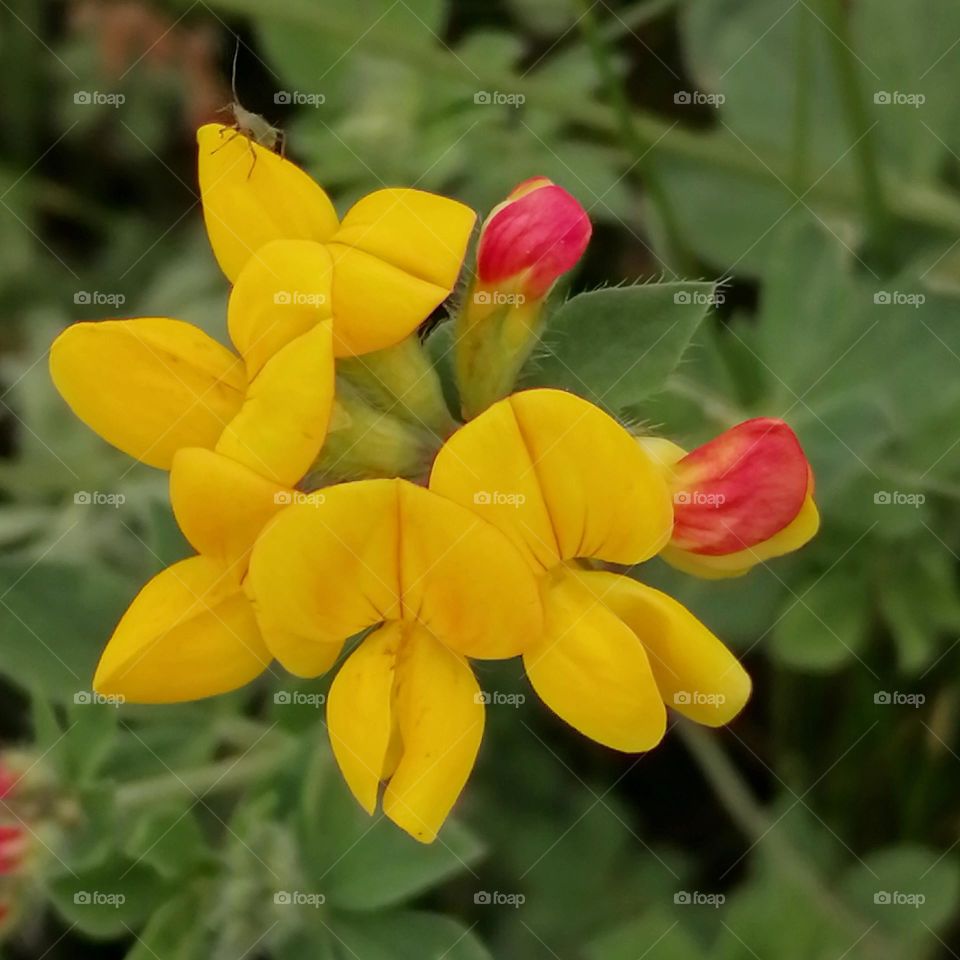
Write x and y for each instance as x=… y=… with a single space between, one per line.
x=93 y=838
x=806 y=316
x=617 y=346
x=908 y=890
x=92 y=738
x=315 y=61
x=361 y=863
x=107 y=900
x=778 y=918
x=167 y=838
x=657 y=935
x=907 y=55
x=407 y=936
x=747 y=50
x=918 y=599
x=721 y=212
x=55 y=619
x=174 y=932
x=825 y=621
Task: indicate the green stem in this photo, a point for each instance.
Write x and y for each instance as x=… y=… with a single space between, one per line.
x=758 y=826
x=801 y=104
x=224 y=776
x=640 y=148
x=860 y=126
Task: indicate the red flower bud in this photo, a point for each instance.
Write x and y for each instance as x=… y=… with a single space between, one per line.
x=538 y=233
x=739 y=489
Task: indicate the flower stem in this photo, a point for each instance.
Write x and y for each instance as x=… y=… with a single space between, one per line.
x=223 y=776
x=875 y=209
x=801 y=103
x=638 y=146
x=757 y=825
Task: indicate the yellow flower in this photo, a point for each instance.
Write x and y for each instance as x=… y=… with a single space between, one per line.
x=565 y=482
x=439 y=585
x=191 y=631
x=305 y=289
x=153 y=385
x=395 y=255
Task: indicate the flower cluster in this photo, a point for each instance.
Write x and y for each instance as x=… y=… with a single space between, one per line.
x=331 y=493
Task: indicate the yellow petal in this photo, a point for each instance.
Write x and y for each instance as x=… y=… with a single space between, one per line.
x=376 y=304
x=440 y=714
x=793 y=536
x=280 y=294
x=378 y=550
x=189 y=633
x=560 y=477
x=462 y=580
x=420 y=233
x=323 y=571
x=360 y=712
x=486 y=467
x=221 y=505
x=696 y=674
x=148 y=386
x=252 y=196
x=592 y=671
x=280 y=429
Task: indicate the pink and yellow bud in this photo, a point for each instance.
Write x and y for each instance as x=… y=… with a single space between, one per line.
x=526 y=243
x=744 y=497
x=537 y=234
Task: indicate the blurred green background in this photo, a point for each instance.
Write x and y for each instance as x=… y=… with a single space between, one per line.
x=804 y=152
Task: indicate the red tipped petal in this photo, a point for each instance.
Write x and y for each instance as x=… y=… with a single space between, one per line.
x=740 y=488
x=540 y=232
